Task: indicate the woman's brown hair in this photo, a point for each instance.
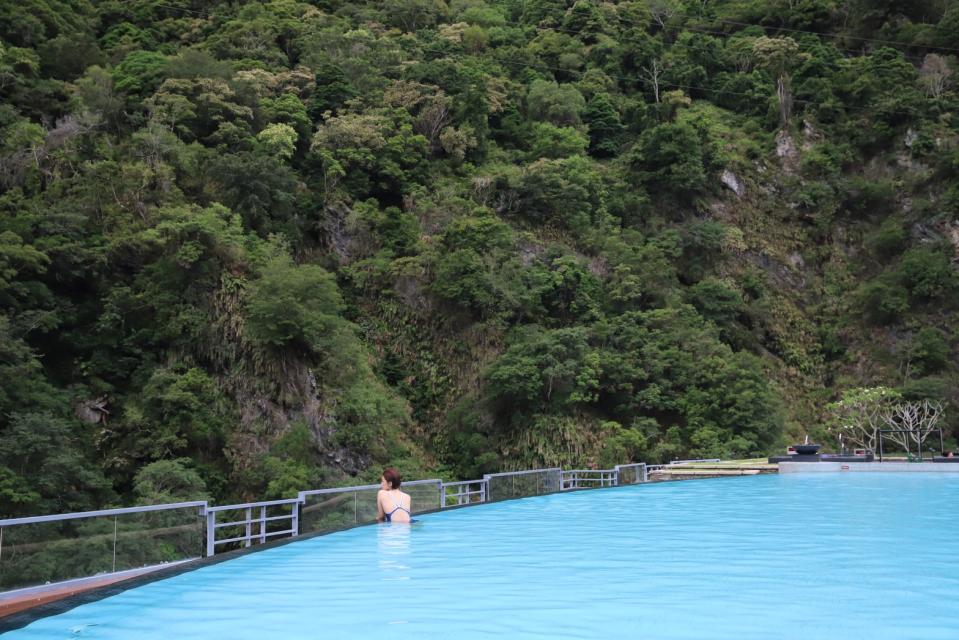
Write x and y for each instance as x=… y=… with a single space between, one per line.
x=392 y=477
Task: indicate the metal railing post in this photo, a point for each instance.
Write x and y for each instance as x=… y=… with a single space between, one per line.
x=115 y=543
x=295 y=518
x=210 y=532
x=442 y=496
x=262 y=525
x=248 y=527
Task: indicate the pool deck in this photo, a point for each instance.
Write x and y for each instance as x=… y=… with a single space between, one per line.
x=868 y=467
x=699 y=470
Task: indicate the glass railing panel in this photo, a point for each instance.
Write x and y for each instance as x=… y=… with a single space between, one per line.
x=158 y=537
x=34 y=554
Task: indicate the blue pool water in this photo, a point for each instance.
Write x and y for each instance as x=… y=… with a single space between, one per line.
x=868 y=556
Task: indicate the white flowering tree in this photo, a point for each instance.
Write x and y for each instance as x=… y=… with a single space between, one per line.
x=858 y=416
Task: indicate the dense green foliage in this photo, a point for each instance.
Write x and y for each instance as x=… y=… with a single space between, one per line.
x=253 y=247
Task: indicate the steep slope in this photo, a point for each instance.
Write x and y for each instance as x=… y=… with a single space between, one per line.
x=251 y=247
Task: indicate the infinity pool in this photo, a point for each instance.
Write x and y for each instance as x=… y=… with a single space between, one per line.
x=797 y=556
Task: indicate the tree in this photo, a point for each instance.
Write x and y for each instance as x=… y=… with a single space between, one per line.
x=663 y=11
x=561 y=105
x=857 y=417
x=605 y=127
x=779 y=56
x=550 y=141
x=546 y=368
x=927 y=274
x=654 y=72
x=928 y=352
x=200 y=108
x=935 y=75
x=912 y=421
x=44 y=469
x=333 y=89
x=279 y=140
x=167 y=481
x=565 y=193
x=883 y=300
x=292 y=306
x=669 y=157
x=411 y=15
x=139 y=74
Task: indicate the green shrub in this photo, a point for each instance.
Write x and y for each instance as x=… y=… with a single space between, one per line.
x=929 y=352
x=669 y=158
x=883 y=300
x=550 y=141
x=867 y=198
x=889 y=240
x=927 y=274
x=292 y=305
x=716 y=300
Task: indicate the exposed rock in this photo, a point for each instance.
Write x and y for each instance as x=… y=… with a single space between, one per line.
x=410 y=290
x=796 y=261
x=786 y=150
x=599 y=267
x=781 y=275
x=954 y=237
x=785 y=147
x=529 y=253
x=734 y=183
x=926 y=234
x=810 y=135
x=93 y=411
x=911 y=137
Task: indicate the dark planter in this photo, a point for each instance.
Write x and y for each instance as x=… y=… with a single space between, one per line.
x=806 y=449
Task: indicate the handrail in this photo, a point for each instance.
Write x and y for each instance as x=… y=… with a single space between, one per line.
x=575 y=478
x=266 y=503
x=9 y=522
x=462 y=497
x=461 y=482
x=520 y=473
x=589 y=470
x=362 y=487
x=248 y=535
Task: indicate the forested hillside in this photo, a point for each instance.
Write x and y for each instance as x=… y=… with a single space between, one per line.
x=248 y=248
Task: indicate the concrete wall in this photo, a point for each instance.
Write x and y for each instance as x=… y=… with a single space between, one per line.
x=885 y=467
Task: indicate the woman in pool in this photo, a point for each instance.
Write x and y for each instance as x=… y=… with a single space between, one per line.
x=392 y=505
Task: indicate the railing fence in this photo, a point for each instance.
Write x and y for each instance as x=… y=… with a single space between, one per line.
x=53 y=548
x=288 y=523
